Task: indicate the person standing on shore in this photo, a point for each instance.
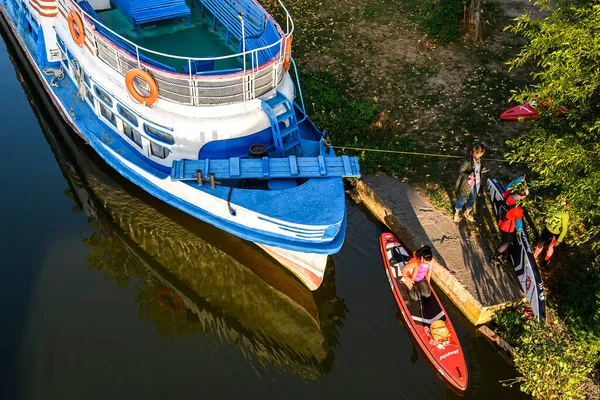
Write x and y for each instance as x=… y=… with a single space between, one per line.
x=511 y=218
x=468 y=182
x=555 y=230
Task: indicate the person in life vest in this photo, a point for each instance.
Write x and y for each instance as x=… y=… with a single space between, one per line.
x=468 y=182
x=416 y=273
x=554 y=231
x=511 y=224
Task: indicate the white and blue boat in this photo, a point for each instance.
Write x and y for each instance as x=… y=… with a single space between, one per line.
x=192 y=101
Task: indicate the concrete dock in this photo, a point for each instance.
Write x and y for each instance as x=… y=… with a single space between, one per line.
x=476 y=288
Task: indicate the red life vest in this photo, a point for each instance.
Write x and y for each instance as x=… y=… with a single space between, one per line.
x=512 y=215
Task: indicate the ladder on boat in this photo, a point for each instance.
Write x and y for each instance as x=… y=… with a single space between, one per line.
x=284 y=127
x=266 y=168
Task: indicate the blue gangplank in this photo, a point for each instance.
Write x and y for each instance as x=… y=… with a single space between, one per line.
x=267 y=168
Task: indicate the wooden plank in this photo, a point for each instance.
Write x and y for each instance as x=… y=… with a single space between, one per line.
x=322 y=168
x=265 y=166
x=177 y=170
x=347 y=167
x=293 y=166
x=492 y=336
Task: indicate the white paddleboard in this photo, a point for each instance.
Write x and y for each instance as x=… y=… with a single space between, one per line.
x=521 y=255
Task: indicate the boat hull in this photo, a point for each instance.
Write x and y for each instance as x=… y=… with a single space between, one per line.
x=308 y=267
x=448 y=359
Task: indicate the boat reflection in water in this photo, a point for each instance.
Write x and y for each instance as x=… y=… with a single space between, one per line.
x=193 y=277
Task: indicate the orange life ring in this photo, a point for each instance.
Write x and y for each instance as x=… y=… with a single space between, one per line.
x=146 y=77
x=169 y=300
x=288 y=50
x=79 y=34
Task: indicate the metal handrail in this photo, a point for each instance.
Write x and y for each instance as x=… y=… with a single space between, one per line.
x=298 y=85
x=190 y=59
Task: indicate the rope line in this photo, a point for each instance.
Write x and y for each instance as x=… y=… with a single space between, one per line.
x=414 y=153
x=59 y=75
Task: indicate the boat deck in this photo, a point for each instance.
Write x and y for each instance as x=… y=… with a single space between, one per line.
x=176 y=37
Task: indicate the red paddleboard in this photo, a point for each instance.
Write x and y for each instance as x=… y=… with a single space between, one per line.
x=524 y=111
x=447 y=358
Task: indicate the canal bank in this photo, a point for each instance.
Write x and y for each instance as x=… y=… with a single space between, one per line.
x=476 y=288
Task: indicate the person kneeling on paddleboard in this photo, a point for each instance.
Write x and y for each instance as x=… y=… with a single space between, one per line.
x=417 y=273
x=510 y=219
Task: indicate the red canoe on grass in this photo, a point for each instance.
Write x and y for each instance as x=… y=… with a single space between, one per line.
x=447 y=358
x=524 y=111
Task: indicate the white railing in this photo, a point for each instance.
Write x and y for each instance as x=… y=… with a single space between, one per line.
x=188 y=88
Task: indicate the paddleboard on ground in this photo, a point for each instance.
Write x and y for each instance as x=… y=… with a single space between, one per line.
x=447 y=357
x=521 y=256
x=524 y=111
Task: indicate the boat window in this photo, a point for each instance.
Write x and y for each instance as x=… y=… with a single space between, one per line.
x=128 y=115
x=108 y=115
x=159 y=135
x=90 y=97
x=159 y=151
x=86 y=79
x=132 y=134
x=61 y=44
x=103 y=96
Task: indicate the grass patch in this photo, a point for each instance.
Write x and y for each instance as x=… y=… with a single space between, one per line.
x=355 y=122
x=443 y=20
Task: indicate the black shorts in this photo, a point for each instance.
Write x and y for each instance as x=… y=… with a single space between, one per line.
x=508 y=237
x=546 y=237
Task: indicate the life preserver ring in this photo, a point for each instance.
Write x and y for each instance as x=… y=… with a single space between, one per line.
x=169 y=300
x=146 y=77
x=288 y=50
x=79 y=34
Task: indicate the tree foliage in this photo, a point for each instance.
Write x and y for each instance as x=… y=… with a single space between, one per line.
x=553 y=363
x=563 y=146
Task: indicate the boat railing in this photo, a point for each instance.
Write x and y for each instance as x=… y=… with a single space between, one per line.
x=209 y=88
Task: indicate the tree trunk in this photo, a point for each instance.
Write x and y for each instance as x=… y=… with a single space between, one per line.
x=472 y=18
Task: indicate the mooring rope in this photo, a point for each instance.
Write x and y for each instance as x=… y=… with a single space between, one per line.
x=416 y=153
x=59 y=75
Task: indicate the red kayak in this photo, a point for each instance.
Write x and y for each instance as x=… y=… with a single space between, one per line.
x=447 y=357
x=524 y=111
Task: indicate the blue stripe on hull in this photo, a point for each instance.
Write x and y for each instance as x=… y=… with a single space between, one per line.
x=319 y=202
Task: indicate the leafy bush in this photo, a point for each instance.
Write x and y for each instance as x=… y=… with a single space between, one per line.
x=512 y=322
x=553 y=362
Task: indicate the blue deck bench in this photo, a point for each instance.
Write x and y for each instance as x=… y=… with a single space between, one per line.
x=269 y=36
x=144 y=11
x=227 y=12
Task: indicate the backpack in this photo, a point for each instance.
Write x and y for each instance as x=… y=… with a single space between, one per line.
x=504 y=209
x=439 y=331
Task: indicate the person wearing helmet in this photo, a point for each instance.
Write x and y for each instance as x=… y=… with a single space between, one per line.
x=555 y=230
x=511 y=223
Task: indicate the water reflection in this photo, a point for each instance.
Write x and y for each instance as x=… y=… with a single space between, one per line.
x=188 y=276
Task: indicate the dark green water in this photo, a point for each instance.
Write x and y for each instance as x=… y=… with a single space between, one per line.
x=107 y=293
